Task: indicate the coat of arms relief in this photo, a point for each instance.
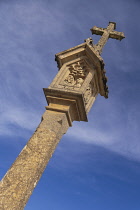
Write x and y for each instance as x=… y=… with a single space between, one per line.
x=77 y=74
x=74 y=78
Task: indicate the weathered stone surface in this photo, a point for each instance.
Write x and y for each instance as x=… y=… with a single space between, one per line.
x=19 y=182
x=106 y=33
x=93 y=66
x=80 y=78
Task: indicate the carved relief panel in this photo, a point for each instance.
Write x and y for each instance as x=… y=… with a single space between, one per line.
x=90 y=94
x=73 y=76
x=77 y=74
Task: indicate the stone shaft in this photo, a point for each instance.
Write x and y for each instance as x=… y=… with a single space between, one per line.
x=19 y=182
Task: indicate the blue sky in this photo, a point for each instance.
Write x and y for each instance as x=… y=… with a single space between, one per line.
x=97 y=164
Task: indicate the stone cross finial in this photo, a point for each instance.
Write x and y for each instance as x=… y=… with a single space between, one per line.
x=106 y=33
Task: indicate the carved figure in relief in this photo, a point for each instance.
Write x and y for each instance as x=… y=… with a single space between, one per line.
x=88 y=93
x=79 y=82
x=69 y=80
x=78 y=72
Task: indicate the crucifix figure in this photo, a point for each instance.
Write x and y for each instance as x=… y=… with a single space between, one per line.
x=70 y=96
x=106 y=33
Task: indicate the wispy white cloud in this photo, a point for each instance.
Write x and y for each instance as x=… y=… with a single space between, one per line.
x=114 y=127
x=19 y=118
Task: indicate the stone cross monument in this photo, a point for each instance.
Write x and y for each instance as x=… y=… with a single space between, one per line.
x=70 y=97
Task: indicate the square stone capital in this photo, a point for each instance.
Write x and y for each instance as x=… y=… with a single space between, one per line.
x=80 y=78
x=88 y=52
x=69 y=102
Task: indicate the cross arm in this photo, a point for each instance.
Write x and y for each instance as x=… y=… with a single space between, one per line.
x=96 y=30
x=116 y=35
x=113 y=34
